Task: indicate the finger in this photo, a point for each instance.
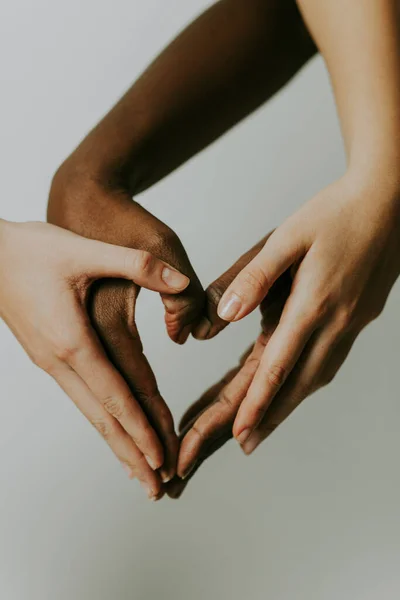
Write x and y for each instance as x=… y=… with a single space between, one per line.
x=209 y=396
x=216 y=421
x=282 y=352
x=182 y=310
x=116 y=437
x=176 y=487
x=90 y=362
x=211 y=324
x=323 y=359
x=125 y=350
x=250 y=287
x=194 y=411
x=102 y=260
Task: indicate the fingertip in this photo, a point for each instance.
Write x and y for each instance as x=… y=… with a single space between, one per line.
x=203 y=329
x=243 y=435
x=250 y=444
x=229 y=307
x=183 y=335
x=175 y=488
x=154 y=463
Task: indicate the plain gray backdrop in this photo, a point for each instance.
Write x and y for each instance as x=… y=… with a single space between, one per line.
x=314 y=514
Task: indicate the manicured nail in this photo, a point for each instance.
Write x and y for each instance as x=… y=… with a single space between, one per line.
x=251 y=444
x=127 y=470
x=229 y=307
x=152 y=464
x=243 y=437
x=202 y=330
x=186 y=473
x=174 y=279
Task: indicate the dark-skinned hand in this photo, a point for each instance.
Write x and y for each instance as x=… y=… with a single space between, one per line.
x=112 y=309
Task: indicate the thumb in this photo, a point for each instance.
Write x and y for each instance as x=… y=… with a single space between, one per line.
x=211 y=324
x=252 y=284
x=101 y=260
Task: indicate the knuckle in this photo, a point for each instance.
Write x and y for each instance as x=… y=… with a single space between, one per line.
x=145 y=434
x=165 y=417
x=67 y=348
x=276 y=376
x=215 y=292
x=104 y=428
x=142 y=261
x=43 y=361
x=344 y=318
x=199 y=432
x=250 y=366
x=225 y=400
x=112 y=304
x=320 y=309
x=163 y=240
x=147 y=400
x=114 y=406
x=256 y=280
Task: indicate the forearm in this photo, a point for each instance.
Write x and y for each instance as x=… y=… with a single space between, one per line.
x=360 y=43
x=222 y=67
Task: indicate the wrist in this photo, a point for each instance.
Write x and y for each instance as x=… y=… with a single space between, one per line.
x=380 y=185
x=87 y=205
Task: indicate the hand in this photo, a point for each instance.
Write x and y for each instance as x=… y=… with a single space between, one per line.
x=344 y=248
x=46 y=274
x=208 y=423
x=80 y=205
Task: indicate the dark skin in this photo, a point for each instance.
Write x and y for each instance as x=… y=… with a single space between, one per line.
x=226 y=64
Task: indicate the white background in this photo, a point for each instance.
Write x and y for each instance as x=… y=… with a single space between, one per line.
x=314 y=514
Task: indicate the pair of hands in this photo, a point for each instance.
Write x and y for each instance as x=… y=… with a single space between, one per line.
x=319 y=279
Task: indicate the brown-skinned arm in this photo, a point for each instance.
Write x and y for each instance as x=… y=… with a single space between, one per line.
x=222 y=67
x=218 y=70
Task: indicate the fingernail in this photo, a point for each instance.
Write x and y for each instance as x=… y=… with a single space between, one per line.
x=152 y=464
x=229 y=308
x=243 y=437
x=251 y=444
x=202 y=330
x=127 y=470
x=166 y=477
x=174 y=279
x=186 y=473
x=150 y=492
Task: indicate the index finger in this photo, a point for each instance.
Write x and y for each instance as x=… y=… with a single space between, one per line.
x=90 y=362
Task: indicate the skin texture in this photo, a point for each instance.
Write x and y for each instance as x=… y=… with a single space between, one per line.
x=341 y=247
x=56 y=332
x=356 y=217
x=303 y=344
x=112 y=303
x=259 y=47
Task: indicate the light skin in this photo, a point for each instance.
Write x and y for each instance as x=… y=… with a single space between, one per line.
x=341 y=249
x=172 y=113
x=56 y=270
